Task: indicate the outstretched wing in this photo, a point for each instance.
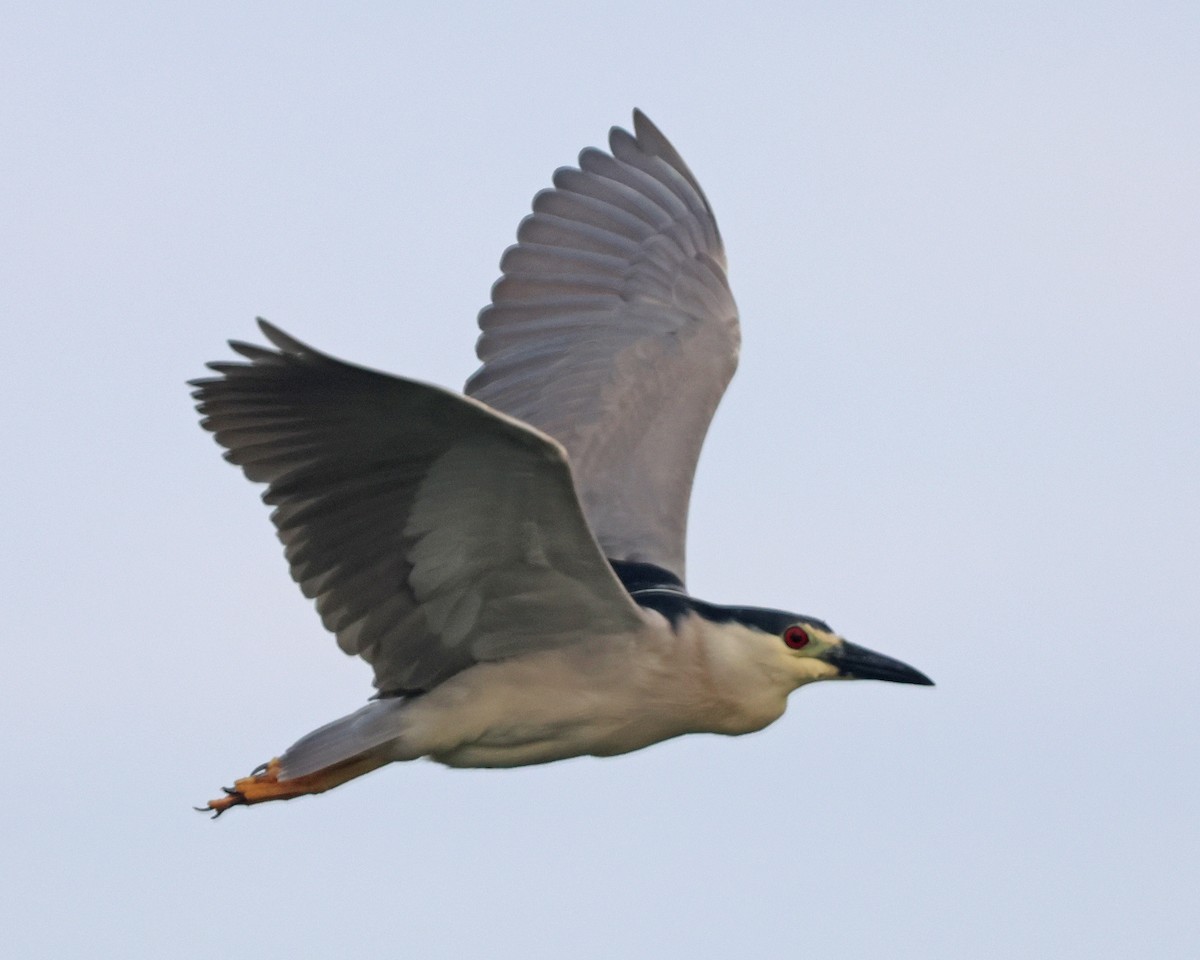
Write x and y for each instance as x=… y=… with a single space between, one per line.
x=613 y=329
x=433 y=532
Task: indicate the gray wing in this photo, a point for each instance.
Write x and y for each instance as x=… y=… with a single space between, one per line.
x=613 y=329
x=433 y=532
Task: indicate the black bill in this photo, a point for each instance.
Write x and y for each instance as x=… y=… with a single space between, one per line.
x=863 y=664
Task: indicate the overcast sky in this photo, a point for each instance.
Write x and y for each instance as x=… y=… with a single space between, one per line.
x=964 y=240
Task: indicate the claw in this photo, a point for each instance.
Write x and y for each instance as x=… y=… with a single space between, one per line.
x=264 y=783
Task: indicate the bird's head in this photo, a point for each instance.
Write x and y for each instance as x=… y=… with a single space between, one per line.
x=754 y=658
x=791 y=648
x=805 y=649
x=812 y=651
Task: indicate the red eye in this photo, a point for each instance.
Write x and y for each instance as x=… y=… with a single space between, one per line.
x=795 y=637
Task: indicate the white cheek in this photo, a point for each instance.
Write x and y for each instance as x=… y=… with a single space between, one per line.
x=808 y=670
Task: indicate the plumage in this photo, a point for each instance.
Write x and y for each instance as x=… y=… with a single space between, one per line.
x=420 y=521
x=510 y=562
x=613 y=330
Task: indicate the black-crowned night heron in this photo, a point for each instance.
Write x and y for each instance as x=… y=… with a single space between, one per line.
x=511 y=562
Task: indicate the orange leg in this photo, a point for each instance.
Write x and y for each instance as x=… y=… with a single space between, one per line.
x=264 y=784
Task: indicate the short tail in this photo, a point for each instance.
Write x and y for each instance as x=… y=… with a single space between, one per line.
x=362 y=732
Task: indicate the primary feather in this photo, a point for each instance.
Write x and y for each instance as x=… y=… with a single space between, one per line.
x=432 y=532
x=613 y=330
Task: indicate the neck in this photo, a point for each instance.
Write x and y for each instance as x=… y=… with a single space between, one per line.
x=744 y=680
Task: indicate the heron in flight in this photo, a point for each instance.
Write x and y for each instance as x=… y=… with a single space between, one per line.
x=511 y=562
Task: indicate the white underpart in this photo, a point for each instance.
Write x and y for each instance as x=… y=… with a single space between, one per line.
x=590 y=698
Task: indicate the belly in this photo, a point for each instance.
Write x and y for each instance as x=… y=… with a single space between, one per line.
x=518 y=745
x=540 y=710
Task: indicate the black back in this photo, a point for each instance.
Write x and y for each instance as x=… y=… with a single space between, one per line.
x=657 y=589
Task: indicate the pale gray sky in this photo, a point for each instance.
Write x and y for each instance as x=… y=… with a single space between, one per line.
x=965 y=431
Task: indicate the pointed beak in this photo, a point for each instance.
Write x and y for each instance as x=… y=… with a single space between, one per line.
x=860 y=663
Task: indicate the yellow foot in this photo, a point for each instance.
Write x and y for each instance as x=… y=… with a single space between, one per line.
x=264 y=783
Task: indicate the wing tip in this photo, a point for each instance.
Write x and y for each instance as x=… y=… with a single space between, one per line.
x=284 y=341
